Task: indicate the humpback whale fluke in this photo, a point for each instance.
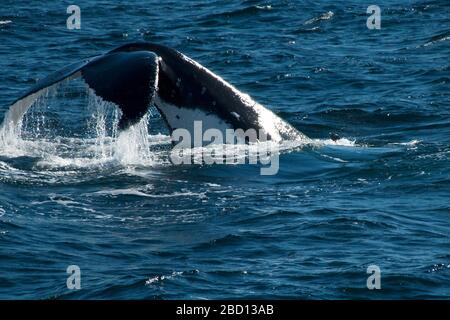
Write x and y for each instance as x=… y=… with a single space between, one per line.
x=138 y=75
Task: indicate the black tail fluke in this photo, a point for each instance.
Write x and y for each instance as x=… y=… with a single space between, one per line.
x=126 y=79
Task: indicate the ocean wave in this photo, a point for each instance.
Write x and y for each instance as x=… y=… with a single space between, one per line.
x=242 y=12
x=324 y=16
x=146 y=193
x=438 y=38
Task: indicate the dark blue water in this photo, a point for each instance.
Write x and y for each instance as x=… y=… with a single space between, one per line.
x=147 y=229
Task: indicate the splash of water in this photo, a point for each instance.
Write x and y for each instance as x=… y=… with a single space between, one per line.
x=130 y=147
x=101 y=144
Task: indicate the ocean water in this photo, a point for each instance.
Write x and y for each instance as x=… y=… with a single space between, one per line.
x=138 y=227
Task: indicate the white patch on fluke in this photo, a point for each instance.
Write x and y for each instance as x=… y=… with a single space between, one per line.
x=273 y=125
x=185 y=117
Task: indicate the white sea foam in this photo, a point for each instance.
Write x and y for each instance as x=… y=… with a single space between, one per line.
x=140 y=193
x=340 y=142
x=409 y=143
x=157 y=279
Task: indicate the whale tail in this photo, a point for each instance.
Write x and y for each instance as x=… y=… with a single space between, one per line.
x=137 y=75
